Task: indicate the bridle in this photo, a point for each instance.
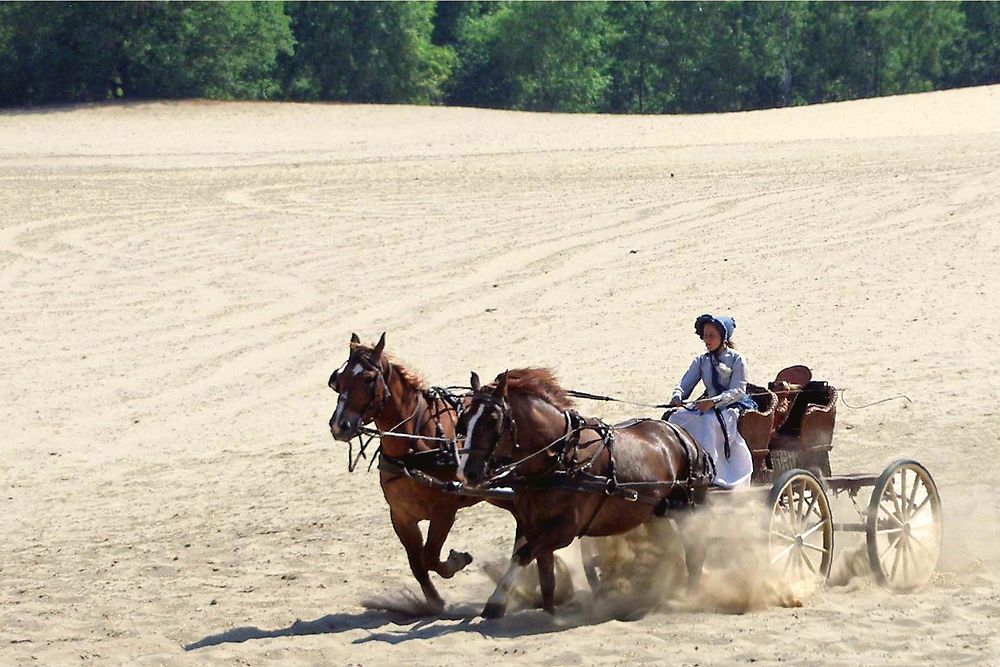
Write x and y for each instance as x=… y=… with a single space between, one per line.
x=503 y=416
x=559 y=449
x=378 y=397
x=379 y=379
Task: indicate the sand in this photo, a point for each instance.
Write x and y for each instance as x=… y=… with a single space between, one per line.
x=179 y=279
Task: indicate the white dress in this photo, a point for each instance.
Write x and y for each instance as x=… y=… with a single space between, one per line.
x=705 y=428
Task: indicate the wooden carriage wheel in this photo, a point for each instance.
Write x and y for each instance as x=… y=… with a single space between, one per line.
x=800 y=529
x=904 y=526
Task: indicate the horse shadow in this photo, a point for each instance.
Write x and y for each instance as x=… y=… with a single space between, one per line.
x=376 y=622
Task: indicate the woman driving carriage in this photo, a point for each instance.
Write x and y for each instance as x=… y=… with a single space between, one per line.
x=712 y=419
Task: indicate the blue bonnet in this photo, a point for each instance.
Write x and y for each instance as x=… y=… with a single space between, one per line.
x=725 y=325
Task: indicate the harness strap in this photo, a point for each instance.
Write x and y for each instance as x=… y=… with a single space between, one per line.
x=708 y=465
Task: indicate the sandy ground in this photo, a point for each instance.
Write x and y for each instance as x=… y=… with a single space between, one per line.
x=179 y=280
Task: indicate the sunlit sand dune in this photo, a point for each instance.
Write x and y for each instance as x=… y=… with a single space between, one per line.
x=179 y=279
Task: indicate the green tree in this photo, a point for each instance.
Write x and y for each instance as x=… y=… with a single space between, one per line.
x=366 y=52
x=641 y=36
x=77 y=51
x=916 y=40
x=534 y=56
x=217 y=50
x=701 y=56
x=977 y=56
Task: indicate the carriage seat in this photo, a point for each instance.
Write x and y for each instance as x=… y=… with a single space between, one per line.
x=811 y=413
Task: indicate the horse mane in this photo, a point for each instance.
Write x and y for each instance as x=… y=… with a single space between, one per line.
x=409 y=377
x=540 y=383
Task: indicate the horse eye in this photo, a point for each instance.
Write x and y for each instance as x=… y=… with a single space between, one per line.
x=370 y=379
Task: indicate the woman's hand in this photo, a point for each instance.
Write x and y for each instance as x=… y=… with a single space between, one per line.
x=705 y=405
x=676 y=402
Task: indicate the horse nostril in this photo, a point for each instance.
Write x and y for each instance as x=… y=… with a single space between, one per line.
x=344 y=424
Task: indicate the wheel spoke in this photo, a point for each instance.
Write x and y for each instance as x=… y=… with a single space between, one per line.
x=923 y=503
x=920 y=544
x=812 y=505
x=813 y=529
x=906 y=560
x=902 y=511
x=892 y=543
x=809 y=545
x=805 y=559
x=895 y=560
x=889 y=514
x=913 y=491
x=782 y=536
x=781 y=554
x=895 y=498
x=888 y=531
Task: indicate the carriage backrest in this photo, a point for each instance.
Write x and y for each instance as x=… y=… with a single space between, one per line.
x=813 y=393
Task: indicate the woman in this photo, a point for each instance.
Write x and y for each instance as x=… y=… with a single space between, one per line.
x=712 y=420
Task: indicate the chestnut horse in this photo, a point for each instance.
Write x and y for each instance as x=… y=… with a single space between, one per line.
x=373 y=387
x=525 y=418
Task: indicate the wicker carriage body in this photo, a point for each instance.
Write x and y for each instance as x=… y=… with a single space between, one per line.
x=755 y=427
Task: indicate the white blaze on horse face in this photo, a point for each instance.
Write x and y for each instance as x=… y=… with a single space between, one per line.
x=463 y=455
x=339 y=412
x=358 y=368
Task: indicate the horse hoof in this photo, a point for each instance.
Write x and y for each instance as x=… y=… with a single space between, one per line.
x=494 y=610
x=459 y=558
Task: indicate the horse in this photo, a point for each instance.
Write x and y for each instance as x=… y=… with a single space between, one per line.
x=525 y=419
x=372 y=387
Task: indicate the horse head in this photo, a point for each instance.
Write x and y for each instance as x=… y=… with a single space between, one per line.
x=362 y=388
x=486 y=426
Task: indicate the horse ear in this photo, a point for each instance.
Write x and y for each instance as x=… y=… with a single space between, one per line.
x=501 y=388
x=333 y=380
x=474 y=381
x=355 y=340
x=379 y=347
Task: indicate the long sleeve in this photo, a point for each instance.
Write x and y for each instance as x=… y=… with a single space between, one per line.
x=737 y=384
x=689 y=380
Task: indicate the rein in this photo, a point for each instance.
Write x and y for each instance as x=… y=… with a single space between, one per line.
x=687 y=404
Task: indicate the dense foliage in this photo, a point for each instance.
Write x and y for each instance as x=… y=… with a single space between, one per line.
x=632 y=57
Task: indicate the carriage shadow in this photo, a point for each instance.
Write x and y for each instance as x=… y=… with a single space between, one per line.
x=457 y=618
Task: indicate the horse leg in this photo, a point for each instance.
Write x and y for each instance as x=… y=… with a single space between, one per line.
x=496 y=606
x=437 y=533
x=695 y=550
x=409 y=535
x=547 y=579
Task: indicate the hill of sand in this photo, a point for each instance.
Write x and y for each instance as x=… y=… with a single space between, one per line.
x=179 y=279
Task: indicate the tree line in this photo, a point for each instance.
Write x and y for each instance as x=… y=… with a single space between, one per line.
x=608 y=57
